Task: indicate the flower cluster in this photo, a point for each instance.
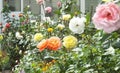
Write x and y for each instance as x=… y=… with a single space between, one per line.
x=53 y=43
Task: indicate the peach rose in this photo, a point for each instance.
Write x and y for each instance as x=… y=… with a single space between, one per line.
x=54 y=43
x=4 y=29
x=107 y=17
x=42 y=45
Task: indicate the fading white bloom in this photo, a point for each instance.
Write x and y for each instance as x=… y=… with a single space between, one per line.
x=18 y=35
x=60 y=26
x=20 y=52
x=77 y=25
x=109 y=51
x=47 y=19
x=32 y=21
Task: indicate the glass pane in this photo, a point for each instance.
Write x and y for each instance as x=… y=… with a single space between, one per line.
x=14 y=5
x=53 y=4
x=34 y=7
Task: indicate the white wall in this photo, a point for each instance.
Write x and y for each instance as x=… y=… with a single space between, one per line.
x=1 y=5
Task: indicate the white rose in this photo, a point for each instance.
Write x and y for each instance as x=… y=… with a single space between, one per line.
x=47 y=19
x=77 y=25
x=18 y=35
x=60 y=26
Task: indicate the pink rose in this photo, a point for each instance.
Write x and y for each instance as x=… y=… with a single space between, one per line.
x=48 y=9
x=59 y=4
x=39 y=1
x=107 y=17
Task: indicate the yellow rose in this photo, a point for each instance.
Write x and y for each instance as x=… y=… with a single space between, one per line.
x=1 y=37
x=50 y=29
x=38 y=37
x=66 y=17
x=69 y=42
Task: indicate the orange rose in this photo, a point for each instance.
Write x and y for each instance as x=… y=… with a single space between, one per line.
x=42 y=45
x=54 y=43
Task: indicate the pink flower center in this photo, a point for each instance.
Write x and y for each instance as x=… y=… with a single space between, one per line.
x=109 y=16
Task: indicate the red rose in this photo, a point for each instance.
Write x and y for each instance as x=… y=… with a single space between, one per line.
x=7 y=25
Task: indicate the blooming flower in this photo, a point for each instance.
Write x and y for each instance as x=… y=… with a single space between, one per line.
x=48 y=9
x=60 y=26
x=42 y=45
x=38 y=37
x=77 y=25
x=50 y=29
x=54 y=43
x=107 y=17
x=40 y=1
x=59 y=4
x=1 y=37
x=66 y=17
x=18 y=35
x=69 y=42
x=7 y=25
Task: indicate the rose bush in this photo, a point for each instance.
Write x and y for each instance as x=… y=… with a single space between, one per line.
x=60 y=48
